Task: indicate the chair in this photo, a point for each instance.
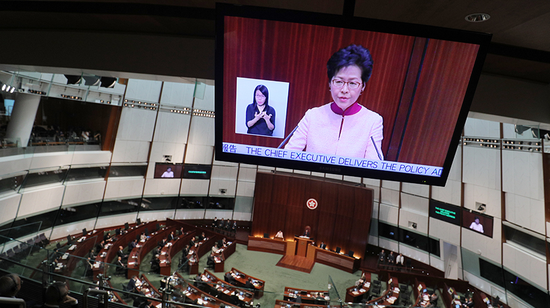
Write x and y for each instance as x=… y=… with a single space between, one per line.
x=17 y=249
x=125 y=289
x=266 y=235
x=350 y=253
x=43 y=240
x=375 y=290
x=338 y=249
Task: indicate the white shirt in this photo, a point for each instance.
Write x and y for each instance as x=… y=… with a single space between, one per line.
x=477 y=227
x=400 y=259
x=167 y=174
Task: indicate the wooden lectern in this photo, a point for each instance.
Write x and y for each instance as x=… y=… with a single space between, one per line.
x=301 y=245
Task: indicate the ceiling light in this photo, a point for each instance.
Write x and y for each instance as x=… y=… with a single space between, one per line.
x=477 y=17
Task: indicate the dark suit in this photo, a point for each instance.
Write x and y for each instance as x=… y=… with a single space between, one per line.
x=249 y=285
x=228 y=278
x=210 y=261
x=121 y=254
x=382 y=257
x=323 y=246
x=131 y=246
x=131 y=285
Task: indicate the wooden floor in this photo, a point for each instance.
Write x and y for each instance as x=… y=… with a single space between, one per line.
x=296 y=263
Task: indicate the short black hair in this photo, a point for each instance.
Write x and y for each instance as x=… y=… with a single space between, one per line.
x=351 y=55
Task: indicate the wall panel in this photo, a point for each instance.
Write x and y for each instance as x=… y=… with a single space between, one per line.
x=124 y=188
x=9 y=204
x=40 y=200
x=341 y=219
x=82 y=193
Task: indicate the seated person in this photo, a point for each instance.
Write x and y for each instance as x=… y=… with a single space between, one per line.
x=162 y=243
x=156 y=251
x=171 y=236
x=99 y=246
x=132 y=284
x=120 y=253
x=155 y=264
x=120 y=266
x=210 y=260
x=323 y=245
x=249 y=284
x=229 y=278
x=202 y=237
x=215 y=248
x=89 y=267
x=10 y=284
x=132 y=245
x=279 y=234
x=57 y=294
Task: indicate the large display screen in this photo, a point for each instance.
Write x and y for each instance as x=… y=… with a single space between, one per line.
x=344 y=95
x=446 y=212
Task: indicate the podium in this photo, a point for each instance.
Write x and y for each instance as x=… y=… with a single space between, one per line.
x=301 y=245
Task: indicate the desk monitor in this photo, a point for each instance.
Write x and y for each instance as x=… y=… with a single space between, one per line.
x=413 y=105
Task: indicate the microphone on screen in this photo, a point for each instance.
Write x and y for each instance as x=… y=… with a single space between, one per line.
x=288 y=137
x=376 y=148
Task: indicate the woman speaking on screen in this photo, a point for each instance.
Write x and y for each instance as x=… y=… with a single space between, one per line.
x=342 y=127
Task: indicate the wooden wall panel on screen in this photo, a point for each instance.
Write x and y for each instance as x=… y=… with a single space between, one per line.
x=361 y=222
x=432 y=109
x=344 y=215
x=327 y=212
x=279 y=204
x=295 y=195
x=262 y=203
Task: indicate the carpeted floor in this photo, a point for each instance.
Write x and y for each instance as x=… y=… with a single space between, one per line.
x=262 y=266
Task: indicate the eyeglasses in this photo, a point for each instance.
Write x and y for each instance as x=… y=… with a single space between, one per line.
x=352 y=85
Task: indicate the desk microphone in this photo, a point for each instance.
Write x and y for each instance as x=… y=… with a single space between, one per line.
x=376 y=148
x=288 y=137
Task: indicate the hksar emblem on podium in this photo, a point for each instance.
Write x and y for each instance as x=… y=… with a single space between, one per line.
x=311 y=204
